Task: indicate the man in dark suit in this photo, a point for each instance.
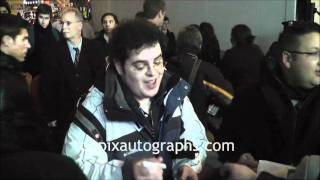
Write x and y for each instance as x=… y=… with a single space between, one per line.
x=154 y=12
x=77 y=64
x=170 y=37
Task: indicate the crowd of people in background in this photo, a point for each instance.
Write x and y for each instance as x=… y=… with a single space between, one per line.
x=65 y=91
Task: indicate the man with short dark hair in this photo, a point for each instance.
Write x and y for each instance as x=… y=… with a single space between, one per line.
x=14 y=37
x=4 y=7
x=42 y=38
x=154 y=11
x=278 y=119
x=23 y=135
x=171 y=39
x=140 y=103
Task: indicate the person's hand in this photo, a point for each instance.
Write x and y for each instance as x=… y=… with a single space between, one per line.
x=248 y=160
x=234 y=171
x=151 y=170
x=187 y=173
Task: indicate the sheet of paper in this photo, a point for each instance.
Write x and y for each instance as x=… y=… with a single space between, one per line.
x=276 y=169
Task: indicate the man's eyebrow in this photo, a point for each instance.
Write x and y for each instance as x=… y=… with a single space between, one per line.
x=314 y=48
x=142 y=60
x=160 y=55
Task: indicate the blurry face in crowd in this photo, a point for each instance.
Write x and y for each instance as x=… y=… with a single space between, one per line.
x=71 y=26
x=108 y=24
x=143 y=71
x=303 y=68
x=44 y=20
x=3 y=10
x=161 y=16
x=17 y=47
x=165 y=25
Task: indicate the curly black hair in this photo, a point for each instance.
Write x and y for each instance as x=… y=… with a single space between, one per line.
x=132 y=35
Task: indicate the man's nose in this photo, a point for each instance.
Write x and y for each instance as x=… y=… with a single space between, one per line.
x=151 y=70
x=64 y=25
x=28 y=45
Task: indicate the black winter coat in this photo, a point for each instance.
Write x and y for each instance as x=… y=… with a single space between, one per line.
x=200 y=96
x=263 y=121
x=104 y=43
x=20 y=129
x=241 y=65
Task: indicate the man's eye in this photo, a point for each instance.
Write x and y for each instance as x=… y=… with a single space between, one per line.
x=139 y=66
x=157 y=62
x=317 y=54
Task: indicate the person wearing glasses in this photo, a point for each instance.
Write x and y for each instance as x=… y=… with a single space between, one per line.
x=76 y=64
x=278 y=119
x=142 y=103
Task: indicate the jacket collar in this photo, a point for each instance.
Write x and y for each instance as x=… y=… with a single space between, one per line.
x=275 y=80
x=279 y=102
x=9 y=63
x=119 y=102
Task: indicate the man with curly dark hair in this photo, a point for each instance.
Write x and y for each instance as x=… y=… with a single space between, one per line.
x=142 y=103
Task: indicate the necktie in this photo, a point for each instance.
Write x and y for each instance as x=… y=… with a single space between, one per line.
x=76 y=59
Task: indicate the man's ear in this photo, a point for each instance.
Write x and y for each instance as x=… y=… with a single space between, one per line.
x=119 y=68
x=286 y=59
x=81 y=26
x=6 y=40
x=160 y=14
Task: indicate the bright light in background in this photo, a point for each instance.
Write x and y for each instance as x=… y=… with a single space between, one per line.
x=316 y=16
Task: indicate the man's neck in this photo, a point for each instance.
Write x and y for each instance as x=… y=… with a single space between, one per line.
x=106 y=33
x=154 y=21
x=145 y=104
x=164 y=31
x=5 y=50
x=75 y=41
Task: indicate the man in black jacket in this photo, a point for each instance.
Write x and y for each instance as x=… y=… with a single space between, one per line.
x=279 y=118
x=77 y=64
x=42 y=38
x=23 y=135
x=154 y=12
x=170 y=38
x=189 y=43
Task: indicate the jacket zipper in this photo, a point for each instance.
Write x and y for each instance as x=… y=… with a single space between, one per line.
x=152 y=125
x=293 y=135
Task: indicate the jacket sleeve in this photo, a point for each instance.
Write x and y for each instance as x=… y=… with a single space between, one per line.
x=88 y=153
x=194 y=132
x=98 y=65
x=50 y=87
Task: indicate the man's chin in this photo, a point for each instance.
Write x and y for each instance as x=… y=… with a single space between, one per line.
x=21 y=59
